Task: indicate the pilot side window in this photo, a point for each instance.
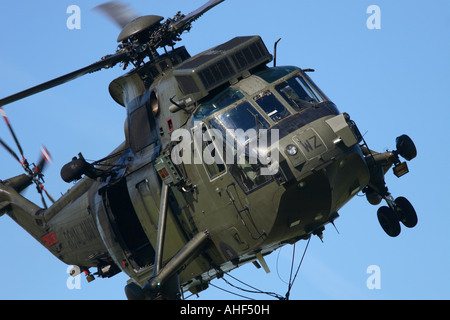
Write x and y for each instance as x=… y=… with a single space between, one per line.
x=233 y=124
x=214 y=167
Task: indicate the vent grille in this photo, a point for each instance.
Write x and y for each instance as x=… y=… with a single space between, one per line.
x=247 y=56
x=225 y=63
x=217 y=73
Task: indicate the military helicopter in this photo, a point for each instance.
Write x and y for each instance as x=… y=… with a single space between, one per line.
x=225 y=160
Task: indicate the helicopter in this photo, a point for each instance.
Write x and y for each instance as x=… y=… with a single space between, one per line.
x=173 y=225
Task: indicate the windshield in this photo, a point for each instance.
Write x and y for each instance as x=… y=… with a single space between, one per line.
x=298 y=93
x=243 y=117
x=270 y=104
x=218 y=102
x=270 y=75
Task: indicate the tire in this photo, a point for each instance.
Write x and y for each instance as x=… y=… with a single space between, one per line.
x=389 y=221
x=406 y=147
x=406 y=211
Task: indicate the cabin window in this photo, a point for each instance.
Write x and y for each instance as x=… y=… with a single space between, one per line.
x=142 y=125
x=154 y=104
x=248 y=175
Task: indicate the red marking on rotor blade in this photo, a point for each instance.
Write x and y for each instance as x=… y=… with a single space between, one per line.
x=46 y=154
x=2 y=111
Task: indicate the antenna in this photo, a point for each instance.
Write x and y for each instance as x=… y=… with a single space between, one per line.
x=275 y=52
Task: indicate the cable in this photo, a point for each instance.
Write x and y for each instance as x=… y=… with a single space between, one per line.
x=230 y=292
x=291 y=283
x=278 y=271
x=292 y=268
x=255 y=290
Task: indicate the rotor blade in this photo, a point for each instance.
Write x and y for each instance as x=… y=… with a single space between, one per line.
x=48 y=195
x=106 y=62
x=195 y=14
x=46 y=155
x=45 y=158
x=10 y=150
x=43 y=200
x=118 y=12
x=5 y=117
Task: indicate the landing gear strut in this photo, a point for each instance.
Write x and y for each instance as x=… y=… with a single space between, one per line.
x=398 y=210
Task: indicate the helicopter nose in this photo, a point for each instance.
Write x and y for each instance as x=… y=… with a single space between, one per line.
x=327 y=148
x=323 y=167
x=320 y=142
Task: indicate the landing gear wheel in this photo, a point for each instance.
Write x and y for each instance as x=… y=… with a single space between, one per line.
x=389 y=221
x=406 y=147
x=406 y=212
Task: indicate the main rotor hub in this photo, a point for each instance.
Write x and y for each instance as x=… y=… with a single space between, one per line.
x=138 y=25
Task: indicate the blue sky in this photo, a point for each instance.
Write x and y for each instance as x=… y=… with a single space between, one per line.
x=391 y=81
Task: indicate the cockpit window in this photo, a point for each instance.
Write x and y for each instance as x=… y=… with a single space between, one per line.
x=218 y=102
x=273 y=74
x=298 y=93
x=244 y=117
x=270 y=104
x=239 y=126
